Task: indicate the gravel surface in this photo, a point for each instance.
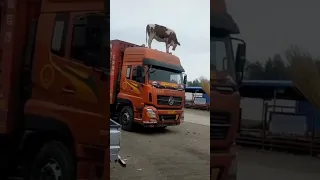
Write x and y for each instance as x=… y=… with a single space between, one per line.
x=177 y=153
x=265 y=165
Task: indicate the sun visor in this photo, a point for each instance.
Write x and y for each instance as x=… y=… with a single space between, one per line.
x=223 y=21
x=148 y=61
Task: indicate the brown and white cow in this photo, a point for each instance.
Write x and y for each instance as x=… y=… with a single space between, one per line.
x=161 y=34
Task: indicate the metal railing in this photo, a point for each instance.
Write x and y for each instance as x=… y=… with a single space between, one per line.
x=277 y=130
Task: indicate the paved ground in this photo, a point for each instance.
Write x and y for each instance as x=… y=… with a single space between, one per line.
x=182 y=153
x=178 y=153
x=265 y=165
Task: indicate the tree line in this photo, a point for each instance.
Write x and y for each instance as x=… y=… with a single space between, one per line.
x=197 y=82
x=273 y=68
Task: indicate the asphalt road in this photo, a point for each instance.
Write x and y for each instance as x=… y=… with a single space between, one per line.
x=177 y=153
x=266 y=165
x=182 y=153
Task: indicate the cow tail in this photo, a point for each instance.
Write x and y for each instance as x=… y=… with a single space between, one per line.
x=147 y=34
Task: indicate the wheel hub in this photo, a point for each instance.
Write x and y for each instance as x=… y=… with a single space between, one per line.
x=51 y=171
x=125 y=118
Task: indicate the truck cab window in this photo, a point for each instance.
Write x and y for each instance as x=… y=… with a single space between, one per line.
x=221 y=55
x=1 y=14
x=138 y=74
x=134 y=74
x=128 y=72
x=218 y=55
x=89 y=40
x=60 y=30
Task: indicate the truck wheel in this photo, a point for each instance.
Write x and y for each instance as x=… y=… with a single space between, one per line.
x=52 y=162
x=126 y=119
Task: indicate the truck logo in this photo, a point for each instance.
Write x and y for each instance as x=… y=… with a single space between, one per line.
x=47 y=76
x=171 y=101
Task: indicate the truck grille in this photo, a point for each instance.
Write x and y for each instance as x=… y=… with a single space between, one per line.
x=167 y=117
x=220 y=124
x=164 y=100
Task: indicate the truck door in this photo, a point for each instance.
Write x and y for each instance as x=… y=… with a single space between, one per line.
x=72 y=76
x=90 y=66
x=133 y=87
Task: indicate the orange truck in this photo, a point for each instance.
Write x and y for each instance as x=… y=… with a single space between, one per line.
x=226 y=75
x=146 y=86
x=54 y=118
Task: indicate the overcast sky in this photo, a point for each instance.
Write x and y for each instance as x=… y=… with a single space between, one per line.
x=188 y=18
x=271 y=26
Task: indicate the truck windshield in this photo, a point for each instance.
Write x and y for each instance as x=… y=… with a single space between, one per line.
x=222 y=59
x=165 y=75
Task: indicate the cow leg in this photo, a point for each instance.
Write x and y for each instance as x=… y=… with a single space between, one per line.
x=150 y=40
x=167 y=48
x=167 y=44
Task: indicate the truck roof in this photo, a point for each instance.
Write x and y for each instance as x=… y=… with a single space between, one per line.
x=154 y=54
x=131 y=48
x=218 y=6
x=221 y=19
x=127 y=44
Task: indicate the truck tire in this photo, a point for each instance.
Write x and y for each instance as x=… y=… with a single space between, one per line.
x=54 y=161
x=126 y=119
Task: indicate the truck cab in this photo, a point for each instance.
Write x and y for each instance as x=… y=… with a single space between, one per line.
x=53 y=118
x=150 y=86
x=226 y=66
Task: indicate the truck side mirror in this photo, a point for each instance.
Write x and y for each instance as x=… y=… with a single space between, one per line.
x=185 y=80
x=240 y=57
x=240 y=62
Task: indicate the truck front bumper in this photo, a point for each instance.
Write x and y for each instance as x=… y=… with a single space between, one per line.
x=152 y=117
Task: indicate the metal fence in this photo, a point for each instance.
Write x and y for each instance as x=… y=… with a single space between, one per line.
x=280 y=129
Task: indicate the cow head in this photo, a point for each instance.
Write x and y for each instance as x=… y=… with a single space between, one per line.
x=175 y=46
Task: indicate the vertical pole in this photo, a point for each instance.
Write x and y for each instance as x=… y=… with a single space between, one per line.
x=274 y=99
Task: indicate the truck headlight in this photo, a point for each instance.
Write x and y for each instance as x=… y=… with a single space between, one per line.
x=151 y=113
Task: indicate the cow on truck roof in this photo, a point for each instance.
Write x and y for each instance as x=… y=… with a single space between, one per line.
x=161 y=34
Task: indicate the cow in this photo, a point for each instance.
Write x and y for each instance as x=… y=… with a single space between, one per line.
x=161 y=34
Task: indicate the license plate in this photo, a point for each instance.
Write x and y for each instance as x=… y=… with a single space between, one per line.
x=171 y=112
x=214 y=174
